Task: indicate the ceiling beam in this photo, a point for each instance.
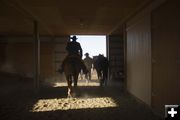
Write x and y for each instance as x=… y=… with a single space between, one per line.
x=149 y=5
x=133 y=13
x=27 y=13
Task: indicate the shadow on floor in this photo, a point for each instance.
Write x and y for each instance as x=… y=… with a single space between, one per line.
x=18 y=105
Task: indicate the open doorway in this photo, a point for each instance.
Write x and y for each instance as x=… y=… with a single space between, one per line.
x=94 y=46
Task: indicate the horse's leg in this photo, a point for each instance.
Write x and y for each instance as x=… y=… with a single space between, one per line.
x=81 y=75
x=105 y=76
x=101 y=78
x=69 y=82
x=75 y=80
x=99 y=74
x=90 y=74
x=87 y=77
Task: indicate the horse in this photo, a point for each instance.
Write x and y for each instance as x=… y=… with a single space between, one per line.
x=101 y=64
x=88 y=63
x=72 y=68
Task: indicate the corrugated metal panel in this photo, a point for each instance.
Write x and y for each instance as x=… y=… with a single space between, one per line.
x=139 y=58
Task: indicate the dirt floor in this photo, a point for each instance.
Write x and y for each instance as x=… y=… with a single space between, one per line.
x=90 y=102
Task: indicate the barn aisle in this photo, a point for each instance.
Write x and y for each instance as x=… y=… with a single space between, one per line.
x=89 y=103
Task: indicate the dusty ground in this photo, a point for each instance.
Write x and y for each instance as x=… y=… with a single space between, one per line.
x=89 y=103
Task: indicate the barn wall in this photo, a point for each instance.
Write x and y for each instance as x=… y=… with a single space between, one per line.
x=116 y=58
x=17 y=55
x=46 y=60
x=166 y=56
x=139 y=58
x=153 y=35
x=59 y=52
x=2 y=53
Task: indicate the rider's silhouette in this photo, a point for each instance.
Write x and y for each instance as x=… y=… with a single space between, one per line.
x=88 y=62
x=74 y=49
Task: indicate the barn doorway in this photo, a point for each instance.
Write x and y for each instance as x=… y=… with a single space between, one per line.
x=93 y=45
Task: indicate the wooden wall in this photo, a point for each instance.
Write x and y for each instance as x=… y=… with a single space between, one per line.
x=166 y=55
x=116 y=57
x=17 y=56
x=139 y=58
x=153 y=59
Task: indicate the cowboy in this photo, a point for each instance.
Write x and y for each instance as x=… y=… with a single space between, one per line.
x=88 y=62
x=74 y=49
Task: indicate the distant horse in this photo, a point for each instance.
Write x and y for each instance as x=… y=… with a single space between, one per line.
x=101 y=65
x=72 y=68
x=88 y=62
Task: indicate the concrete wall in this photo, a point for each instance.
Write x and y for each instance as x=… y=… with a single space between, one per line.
x=166 y=56
x=139 y=58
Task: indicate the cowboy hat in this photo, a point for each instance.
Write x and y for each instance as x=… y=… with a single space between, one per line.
x=86 y=54
x=74 y=38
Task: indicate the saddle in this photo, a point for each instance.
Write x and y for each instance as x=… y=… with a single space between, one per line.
x=73 y=56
